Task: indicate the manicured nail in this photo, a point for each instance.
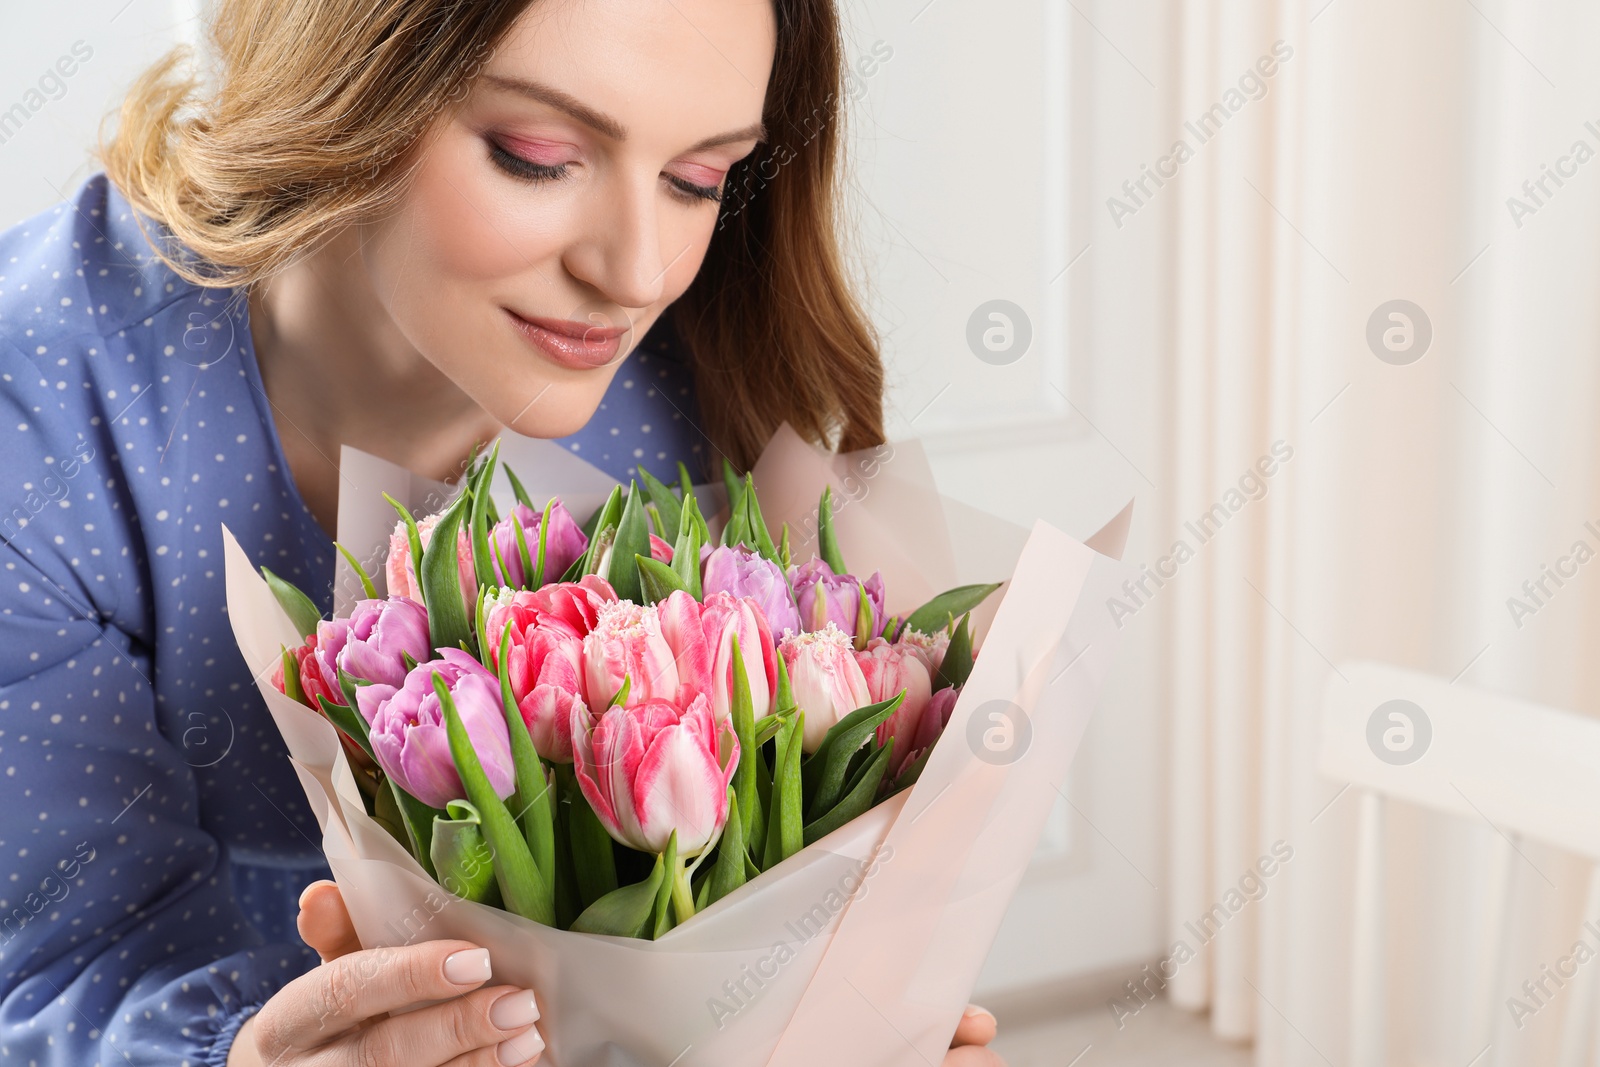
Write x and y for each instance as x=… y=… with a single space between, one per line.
x=467 y=967
x=514 y=1010
x=308 y=889
x=520 y=1049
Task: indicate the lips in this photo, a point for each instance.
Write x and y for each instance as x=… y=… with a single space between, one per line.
x=578 y=345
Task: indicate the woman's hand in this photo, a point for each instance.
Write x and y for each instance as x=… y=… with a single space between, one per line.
x=976 y=1029
x=335 y=1016
x=326 y=926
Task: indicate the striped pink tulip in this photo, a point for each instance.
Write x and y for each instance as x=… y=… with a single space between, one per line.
x=826 y=679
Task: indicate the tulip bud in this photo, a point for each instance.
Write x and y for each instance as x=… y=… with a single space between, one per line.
x=826 y=679
x=408 y=731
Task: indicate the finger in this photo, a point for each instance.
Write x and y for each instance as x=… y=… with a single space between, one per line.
x=489 y=1026
x=325 y=1002
x=972 y=1056
x=324 y=921
x=977 y=1027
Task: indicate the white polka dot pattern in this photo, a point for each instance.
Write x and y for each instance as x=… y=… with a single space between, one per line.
x=154 y=836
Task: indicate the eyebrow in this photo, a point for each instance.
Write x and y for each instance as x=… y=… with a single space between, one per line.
x=570 y=105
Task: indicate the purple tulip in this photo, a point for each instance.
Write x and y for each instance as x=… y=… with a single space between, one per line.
x=565 y=542
x=408 y=730
x=737 y=570
x=823 y=597
x=371 y=643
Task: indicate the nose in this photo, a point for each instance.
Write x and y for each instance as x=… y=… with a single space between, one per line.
x=618 y=251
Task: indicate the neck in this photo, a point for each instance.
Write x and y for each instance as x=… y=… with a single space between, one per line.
x=339 y=371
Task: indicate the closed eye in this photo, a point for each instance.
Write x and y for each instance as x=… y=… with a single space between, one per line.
x=527 y=170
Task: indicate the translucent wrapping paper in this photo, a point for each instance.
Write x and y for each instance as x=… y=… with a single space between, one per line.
x=862 y=948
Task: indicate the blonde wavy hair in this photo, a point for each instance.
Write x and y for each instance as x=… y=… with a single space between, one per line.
x=316 y=121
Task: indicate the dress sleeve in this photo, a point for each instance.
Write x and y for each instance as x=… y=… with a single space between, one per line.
x=120 y=938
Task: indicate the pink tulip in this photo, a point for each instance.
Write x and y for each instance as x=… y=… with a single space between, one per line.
x=400 y=570
x=627 y=642
x=722 y=617
x=823 y=596
x=826 y=679
x=651 y=769
x=545 y=669
x=660 y=550
x=691 y=653
x=409 y=737
x=935 y=717
x=573 y=606
x=372 y=643
x=564 y=543
x=929 y=648
x=888 y=670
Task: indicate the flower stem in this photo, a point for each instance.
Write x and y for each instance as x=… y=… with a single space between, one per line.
x=682 y=895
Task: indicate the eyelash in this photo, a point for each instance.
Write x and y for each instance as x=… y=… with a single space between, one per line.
x=528 y=171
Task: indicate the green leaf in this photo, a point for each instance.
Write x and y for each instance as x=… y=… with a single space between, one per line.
x=827 y=539
x=863 y=617
x=657 y=580
x=957 y=662
x=603 y=559
x=686 y=551
x=291 y=678
x=755 y=525
x=668 y=508
x=785 y=831
x=668 y=889
x=857 y=799
x=524 y=557
x=734 y=487
x=418 y=820
x=839 y=744
x=537 y=572
x=728 y=874
x=516 y=487
x=936 y=613
x=633 y=539
x=461 y=856
x=593 y=860
x=522 y=887
x=440 y=578
x=625 y=912
x=532 y=801
x=477 y=490
x=349 y=722
x=783 y=549
x=299 y=607
x=783 y=698
x=386 y=813
x=367 y=587
x=742 y=714
x=685 y=483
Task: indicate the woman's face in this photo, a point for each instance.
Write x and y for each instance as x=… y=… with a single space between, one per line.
x=575 y=187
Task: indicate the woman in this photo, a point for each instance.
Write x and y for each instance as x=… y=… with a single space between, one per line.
x=401 y=225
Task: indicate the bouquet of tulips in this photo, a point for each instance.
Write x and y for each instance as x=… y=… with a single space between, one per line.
x=715 y=797
x=606 y=727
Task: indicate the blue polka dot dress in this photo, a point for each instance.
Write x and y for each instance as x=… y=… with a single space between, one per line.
x=154 y=838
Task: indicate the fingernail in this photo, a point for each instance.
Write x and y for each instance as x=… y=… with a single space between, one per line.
x=520 y=1049
x=514 y=1010
x=973 y=1011
x=307 y=889
x=467 y=967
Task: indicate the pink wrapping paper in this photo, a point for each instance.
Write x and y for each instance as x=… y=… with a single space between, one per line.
x=863 y=947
